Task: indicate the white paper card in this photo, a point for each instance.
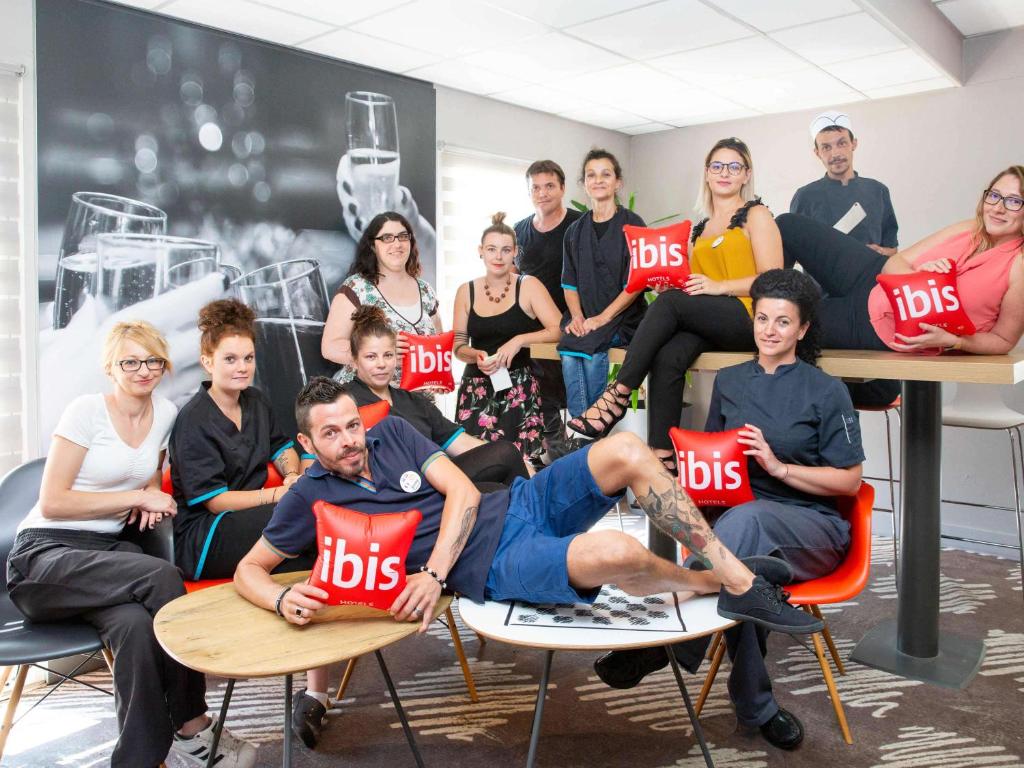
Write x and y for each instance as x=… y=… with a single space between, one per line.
x=850 y=219
x=501 y=380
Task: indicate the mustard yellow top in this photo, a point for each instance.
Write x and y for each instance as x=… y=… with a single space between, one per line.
x=728 y=256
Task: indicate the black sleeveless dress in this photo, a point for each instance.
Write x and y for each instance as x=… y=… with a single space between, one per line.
x=513 y=414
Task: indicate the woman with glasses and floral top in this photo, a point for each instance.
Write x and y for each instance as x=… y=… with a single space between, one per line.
x=986 y=252
x=102 y=476
x=735 y=242
x=385 y=273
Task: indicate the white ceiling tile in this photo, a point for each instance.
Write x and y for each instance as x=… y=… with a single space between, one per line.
x=605 y=117
x=904 y=89
x=542 y=98
x=641 y=90
x=729 y=62
x=362 y=49
x=337 y=12
x=769 y=16
x=562 y=13
x=636 y=130
x=719 y=116
x=147 y=4
x=784 y=93
x=851 y=37
x=979 y=17
x=448 y=27
x=661 y=28
x=892 y=68
x=546 y=58
x=465 y=77
x=246 y=19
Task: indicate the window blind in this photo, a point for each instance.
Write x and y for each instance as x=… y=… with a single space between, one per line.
x=11 y=233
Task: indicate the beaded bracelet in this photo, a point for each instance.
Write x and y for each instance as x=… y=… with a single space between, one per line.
x=277 y=605
x=433 y=575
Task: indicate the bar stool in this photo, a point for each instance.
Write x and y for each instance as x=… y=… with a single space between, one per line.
x=977 y=406
x=892 y=408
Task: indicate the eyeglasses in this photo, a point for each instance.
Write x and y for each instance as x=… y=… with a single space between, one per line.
x=734 y=168
x=152 y=363
x=402 y=237
x=1010 y=203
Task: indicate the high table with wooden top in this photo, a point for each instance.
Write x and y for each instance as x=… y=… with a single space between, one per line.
x=218 y=632
x=911 y=645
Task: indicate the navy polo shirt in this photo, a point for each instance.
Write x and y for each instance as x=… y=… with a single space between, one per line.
x=827 y=200
x=209 y=456
x=805 y=415
x=399 y=457
x=414 y=408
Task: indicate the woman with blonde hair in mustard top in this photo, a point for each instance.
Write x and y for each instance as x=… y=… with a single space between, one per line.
x=735 y=242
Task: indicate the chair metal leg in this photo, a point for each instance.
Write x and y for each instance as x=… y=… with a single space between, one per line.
x=345 y=677
x=694 y=719
x=618 y=510
x=895 y=503
x=12 y=706
x=1016 y=499
x=833 y=692
x=816 y=610
x=398 y=708
x=286 y=749
x=467 y=673
x=219 y=727
x=717 y=654
x=538 y=710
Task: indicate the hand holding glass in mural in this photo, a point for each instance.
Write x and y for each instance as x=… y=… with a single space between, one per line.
x=368 y=173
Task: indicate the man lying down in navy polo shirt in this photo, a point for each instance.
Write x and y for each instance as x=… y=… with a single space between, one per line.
x=530 y=542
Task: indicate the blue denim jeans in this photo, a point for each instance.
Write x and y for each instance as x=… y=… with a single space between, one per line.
x=585 y=380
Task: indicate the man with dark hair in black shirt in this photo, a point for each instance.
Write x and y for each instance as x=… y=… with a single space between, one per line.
x=540 y=239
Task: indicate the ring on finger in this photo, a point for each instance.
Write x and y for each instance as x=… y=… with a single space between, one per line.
x=417 y=611
x=298 y=612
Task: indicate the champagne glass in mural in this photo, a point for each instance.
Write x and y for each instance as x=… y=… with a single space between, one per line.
x=130 y=268
x=291 y=304
x=92 y=214
x=372 y=126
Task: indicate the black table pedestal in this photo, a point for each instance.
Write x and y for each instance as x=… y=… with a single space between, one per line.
x=911 y=646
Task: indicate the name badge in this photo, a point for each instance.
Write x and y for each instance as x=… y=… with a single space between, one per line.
x=410 y=482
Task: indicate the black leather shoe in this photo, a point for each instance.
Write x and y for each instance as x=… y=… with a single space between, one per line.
x=784 y=730
x=765 y=605
x=308 y=718
x=625 y=669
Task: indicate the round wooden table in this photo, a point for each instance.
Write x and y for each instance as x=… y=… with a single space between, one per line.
x=218 y=632
x=616 y=622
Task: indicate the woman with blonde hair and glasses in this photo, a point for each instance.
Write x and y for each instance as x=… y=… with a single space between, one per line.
x=102 y=475
x=735 y=242
x=986 y=252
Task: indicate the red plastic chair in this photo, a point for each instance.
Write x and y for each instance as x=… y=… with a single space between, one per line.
x=844 y=583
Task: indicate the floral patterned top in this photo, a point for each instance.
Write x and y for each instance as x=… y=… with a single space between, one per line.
x=360 y=291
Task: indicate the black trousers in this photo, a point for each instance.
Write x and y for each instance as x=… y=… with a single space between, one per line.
x=498 y=463
x=110 y=584
x=234 y=533
x=846 y=270
x=552 y=397
x=676 y=329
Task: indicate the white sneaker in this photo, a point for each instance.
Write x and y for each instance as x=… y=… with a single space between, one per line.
x=231 y=751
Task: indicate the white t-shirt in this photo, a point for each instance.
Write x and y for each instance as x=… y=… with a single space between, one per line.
x=110 y=464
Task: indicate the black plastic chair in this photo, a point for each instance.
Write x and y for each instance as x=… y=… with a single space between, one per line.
x=24 y=643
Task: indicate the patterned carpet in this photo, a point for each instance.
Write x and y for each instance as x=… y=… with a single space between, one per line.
x=896 y=723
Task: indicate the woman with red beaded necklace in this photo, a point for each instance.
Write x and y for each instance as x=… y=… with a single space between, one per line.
x=496 y=318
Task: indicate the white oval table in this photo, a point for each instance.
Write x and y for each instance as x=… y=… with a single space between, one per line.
x=615 y=622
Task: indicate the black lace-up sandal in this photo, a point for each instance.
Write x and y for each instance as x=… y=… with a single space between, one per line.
x=611 y=406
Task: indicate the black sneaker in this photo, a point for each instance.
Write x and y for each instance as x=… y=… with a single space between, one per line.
x=308 y=718
x=765 y=605
x=625 y=669
x=784 y=730
x=775 y=570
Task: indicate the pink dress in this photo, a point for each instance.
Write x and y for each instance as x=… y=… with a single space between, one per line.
x=982 y=281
